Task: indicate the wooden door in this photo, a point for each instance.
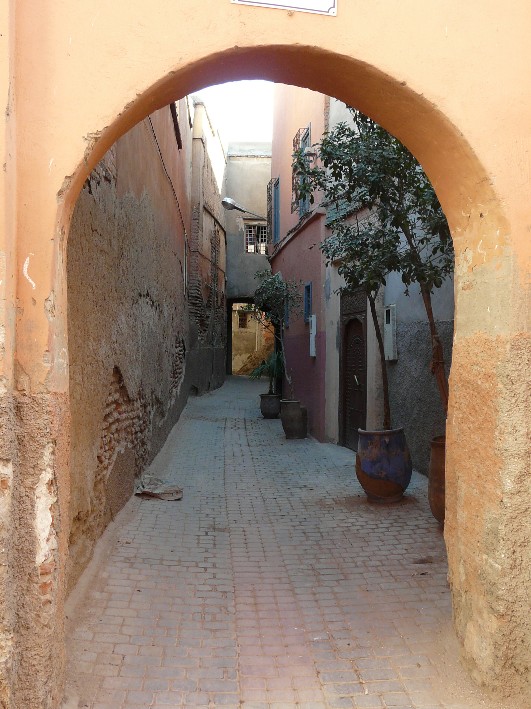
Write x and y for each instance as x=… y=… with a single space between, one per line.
x=354 y=382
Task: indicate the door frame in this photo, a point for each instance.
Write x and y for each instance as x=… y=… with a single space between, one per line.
x=352 y=307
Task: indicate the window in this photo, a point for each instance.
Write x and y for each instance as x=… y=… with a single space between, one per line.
x=242 y=319
x=276 y=211
x=307 y=301
x=255 y=238
x=301 y=141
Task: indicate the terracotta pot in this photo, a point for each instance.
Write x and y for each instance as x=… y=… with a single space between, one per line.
x=436 y=479
x=294 y=418
x=383 y=464
x=270 y=405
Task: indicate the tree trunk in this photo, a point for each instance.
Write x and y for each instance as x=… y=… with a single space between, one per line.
x=385 y=382
x=437 y=353
x=286 y=373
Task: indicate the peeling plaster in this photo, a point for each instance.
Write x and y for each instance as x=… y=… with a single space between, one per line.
x=49 y=306
x=45 y=498
x=463 y=262
x=6 y=480
x=25 y=271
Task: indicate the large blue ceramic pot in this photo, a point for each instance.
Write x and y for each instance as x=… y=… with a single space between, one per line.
x=383 y=464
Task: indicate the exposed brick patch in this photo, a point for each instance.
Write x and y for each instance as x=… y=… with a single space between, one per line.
x=126 y=425
x=105 y=171
x=177 y=366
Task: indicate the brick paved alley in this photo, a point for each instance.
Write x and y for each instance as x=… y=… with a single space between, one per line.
x=272 y=583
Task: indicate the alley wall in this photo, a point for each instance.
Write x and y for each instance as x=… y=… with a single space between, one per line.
x=248 y=172
x=145 y=301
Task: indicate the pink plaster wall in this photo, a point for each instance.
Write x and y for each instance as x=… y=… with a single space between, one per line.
x=298 y=256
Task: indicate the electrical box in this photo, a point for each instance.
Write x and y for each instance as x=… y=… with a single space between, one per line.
x=313 y=332
x=390 y=350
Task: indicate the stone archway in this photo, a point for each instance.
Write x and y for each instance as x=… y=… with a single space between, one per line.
x=63 y=117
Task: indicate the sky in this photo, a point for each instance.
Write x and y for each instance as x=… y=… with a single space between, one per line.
x=241 y=110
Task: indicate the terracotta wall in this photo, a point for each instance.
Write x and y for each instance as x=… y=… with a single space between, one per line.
x=129 y=311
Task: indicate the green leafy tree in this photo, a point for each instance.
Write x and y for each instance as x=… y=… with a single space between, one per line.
x=274 y=300
x=388 y=218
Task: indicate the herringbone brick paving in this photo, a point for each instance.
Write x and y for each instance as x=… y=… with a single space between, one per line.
x=272 y=584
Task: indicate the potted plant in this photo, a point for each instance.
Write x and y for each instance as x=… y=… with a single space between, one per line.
x=274 y=300
x=388 y=219
x=383 y=462
x=273 y=368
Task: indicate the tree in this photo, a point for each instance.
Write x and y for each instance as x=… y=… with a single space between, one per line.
x=274 y=300
x=388 y=218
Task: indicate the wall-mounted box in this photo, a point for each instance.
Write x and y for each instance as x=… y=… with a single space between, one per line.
x=313 y=333
x=390 y=349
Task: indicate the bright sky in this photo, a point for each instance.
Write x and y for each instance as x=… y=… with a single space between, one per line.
x=241 y=110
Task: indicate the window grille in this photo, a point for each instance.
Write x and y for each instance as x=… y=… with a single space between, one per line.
x=256 y=238
x=301 y=141
x=276 y=211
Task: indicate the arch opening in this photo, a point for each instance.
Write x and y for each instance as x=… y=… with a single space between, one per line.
x=456 y=174
x=458 y=178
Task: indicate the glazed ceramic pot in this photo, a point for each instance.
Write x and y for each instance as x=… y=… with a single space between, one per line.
x=383 y=464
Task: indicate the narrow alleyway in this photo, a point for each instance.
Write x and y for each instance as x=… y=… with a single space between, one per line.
x=272 y=583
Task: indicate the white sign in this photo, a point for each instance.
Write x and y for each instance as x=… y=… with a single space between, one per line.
x=319 y=7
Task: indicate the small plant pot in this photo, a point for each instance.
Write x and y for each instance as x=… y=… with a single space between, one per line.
x=270 y=405
x=436 y=478
x=383 y=464
x=294 y=418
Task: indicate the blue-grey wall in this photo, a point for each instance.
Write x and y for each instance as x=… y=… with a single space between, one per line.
x=413 y=392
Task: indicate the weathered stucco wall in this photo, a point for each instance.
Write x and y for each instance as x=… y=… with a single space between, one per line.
x=208 y=255
x=413 y=393
x=129 y=318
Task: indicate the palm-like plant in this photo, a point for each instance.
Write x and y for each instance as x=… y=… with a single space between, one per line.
x=273 y=368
